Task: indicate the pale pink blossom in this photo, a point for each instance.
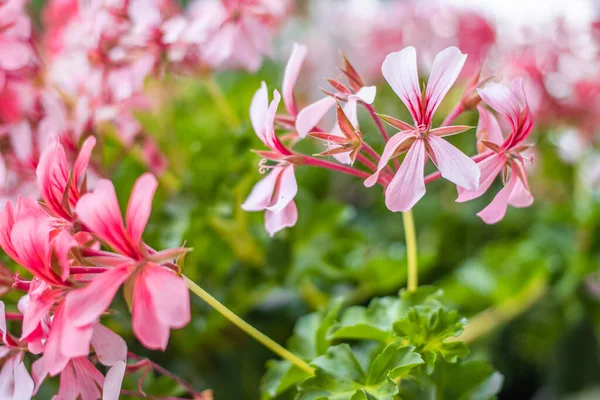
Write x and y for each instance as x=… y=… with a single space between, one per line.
x=274 y=193
x=160 y=299
x=419 y=140
x=504 y=153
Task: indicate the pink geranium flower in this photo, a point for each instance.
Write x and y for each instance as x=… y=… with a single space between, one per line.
x=419 y=140
x=505 y=155
x=275 y=193
x=159 y=297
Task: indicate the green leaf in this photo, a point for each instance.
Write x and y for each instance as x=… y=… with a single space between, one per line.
x=280 y=376
x=339 y=376
x=376 y=321
x=427 y=328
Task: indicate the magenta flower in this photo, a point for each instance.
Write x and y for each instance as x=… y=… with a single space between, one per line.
x=159 y=297
x=504 y=154
x=275 y=193
x=419 y=140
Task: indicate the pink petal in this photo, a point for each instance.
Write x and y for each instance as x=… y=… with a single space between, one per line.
x=489 y=170
x=140 y=206
x=68 y=390
x=83 y=159
x=113 y=381
x=453 y=163
x=110 y=348
x=496 y=210
x=63 y=243
x=310 y=115
x=258 y=111
x=23 y=384
x=400 y=71
x=446 y=67
x=38 y=307
x=84 y=306
x=89 y=379
x=366 y=94
x=283 y=219
x=488 y=128
x=271 y=139
x=170 y=296
x=54 y=360
x=520 y=196
x=75 y=340
x=408 y=185
x=100 y=212
x=7 y=221
x=285 y=190
x=388 y=152
x=290 y=76
x=262 y=193
x=150 y=331
x=52 y=176
x=502 y=99
x=38 y=372
x=14 y=54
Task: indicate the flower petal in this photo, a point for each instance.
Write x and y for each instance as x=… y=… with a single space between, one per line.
x=446 y=67
x=150 y=331
x=258 y=111
x=488 y=128
x=489 y=170
x=366 y=94
x=262 y=193
x=310 y=115
x=110 y=348
x=496 y=210
x=140 y=206
x=390 y=149
x=285 y=190
x=453 y=163
x=408 y=185
x=292 y=69
x=170 y=296
x=113 y=381
x=400 y=71
x=274 y=222
x=502 y=99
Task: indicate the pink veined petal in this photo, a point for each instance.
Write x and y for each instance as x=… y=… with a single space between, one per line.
x=446 y=67
x=52 y=176
x=496 y=210
x=7 y=221
x=408 y=185
x=290 y=76
x=489 y=170
x=272 y=140
x=488 y=128
x=283 y=219
x=63 y=243
x=83 y=159
x=84 y=306
x=3 y=330
x=89 y=379
x=310 y=115
x=520 y=196
x=140 y=206
x=100 y=212
x=170 y=296
x=37 y=308
x=38 y=373
x=400 y=71
x=113 y=381
x=285 y=190
x=262 y=193
x=366 y=94
x=110 y=348
x=453 y=163
x=14 y=54
x=258 y=111
x=67 y=389
x=75 y=340
x=502 y=99
x=24 y=386
x=388 y=152
x=150 y=331
x=54 y=360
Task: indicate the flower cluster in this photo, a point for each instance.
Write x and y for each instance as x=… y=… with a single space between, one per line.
x=404 y=183
x=79 y=251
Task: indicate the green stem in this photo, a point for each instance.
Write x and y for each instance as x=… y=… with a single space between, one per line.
x=247 y=328
x=231 y=118
x=411 y=249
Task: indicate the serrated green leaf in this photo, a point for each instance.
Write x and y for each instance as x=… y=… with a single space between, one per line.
x=339 y=376
x=427 y=328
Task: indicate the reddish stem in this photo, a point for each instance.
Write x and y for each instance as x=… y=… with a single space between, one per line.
x=456 y=111
x=370 y=151
x=168 y=374
x=316 y=162
x=476 y=158
x=87 y=270
x=377 y=120
x=14 y=316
